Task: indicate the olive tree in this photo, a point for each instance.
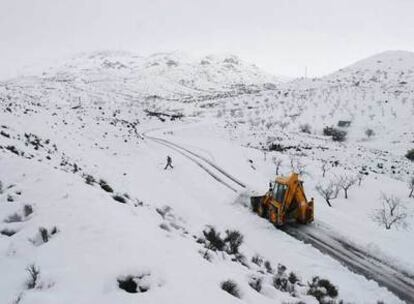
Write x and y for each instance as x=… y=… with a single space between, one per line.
x=345 y=182
x=393 y=213
x=328 y=191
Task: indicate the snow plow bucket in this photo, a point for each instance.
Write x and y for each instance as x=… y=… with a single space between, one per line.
x=255 y=202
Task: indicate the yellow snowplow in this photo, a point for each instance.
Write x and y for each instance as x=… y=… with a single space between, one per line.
x=284 y=202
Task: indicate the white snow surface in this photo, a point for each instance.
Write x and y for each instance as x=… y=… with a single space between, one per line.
x=88 y=118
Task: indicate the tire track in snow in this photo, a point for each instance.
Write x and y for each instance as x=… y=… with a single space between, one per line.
x=210 y=172
x=395 y=280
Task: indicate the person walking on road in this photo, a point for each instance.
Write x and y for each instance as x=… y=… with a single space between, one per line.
x=169 y=163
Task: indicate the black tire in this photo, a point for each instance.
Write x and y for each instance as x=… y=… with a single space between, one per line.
x=264 y=212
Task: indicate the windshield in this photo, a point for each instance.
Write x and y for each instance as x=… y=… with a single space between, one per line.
x=279 y=192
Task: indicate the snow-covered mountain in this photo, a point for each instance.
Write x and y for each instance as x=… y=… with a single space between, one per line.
x=88 y=213
x=163 y=75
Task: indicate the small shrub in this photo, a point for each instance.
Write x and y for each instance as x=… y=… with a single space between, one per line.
x=281 y=269
x=230 y=287
x=27 y=210
x=323 y=290
x=281 y=284
x=7 y=232
x=328 y=131
x=336 y=134
x=119 y=199
x=234 y=239
x=34 y=273
x=134 y=284
x=369 y=133
x=54 y=230
x=410 y=154
x=10 y=198
x=13 y=218
x=89 y=179
x=268 y=267
x=44 y=234
x=258 y=260
x=128 y=284
x=256 y=283
x=215 y=242
x=305 y=128
x=293 y=278
x=1 y=187
x=104 y=185
x=339 y=135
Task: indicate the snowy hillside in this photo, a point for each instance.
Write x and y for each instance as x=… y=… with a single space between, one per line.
x=89 y=215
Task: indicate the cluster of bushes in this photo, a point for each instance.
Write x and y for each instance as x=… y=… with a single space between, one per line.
x=335 y=133
x=120 y=198
x=230 y=243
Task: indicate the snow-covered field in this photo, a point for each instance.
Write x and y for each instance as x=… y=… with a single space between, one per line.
x=85 y=199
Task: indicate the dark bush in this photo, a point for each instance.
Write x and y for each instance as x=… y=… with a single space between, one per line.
x=54 y=230
x=276 y=147
x=230 y=287
x=215 y=242
x=328 y=131
x=34 y=273
x=27 y=210
x=256 y=283
x=133 y=284
x=44 y=234
x=104 y=185
x=89 y=179
x=339 y=135
x=281 y=284
x=119 y=198
x=257 y=259
x=336 y=134
x=369 y=132
x=305 y=128
x=323 y=290
x=10 y=198
x=268 y=267
x=410 y=154
x=7 y=232
x=234 y=239
x=293 y=278
x=128 y=284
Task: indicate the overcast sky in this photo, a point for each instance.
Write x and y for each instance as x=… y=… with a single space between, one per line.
x=281 y=36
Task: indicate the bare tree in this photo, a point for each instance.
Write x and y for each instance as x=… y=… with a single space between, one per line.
x=297 y=166
x=277 y=162
x=411 y=186
x=392 y=212
x=325 y=167
x=328 y=192
x=345 y=182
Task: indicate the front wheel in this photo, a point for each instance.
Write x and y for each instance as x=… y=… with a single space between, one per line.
x=262 y=210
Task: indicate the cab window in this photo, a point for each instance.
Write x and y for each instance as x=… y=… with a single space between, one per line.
x=279 y=192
